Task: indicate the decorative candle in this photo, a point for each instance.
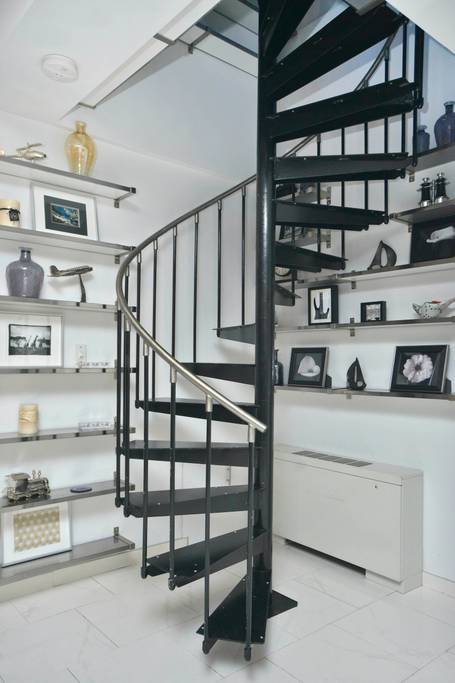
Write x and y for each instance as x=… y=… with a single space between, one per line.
x=10 y=213
x=28 y=419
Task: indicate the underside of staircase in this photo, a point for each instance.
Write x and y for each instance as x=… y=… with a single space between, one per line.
x=243 y=615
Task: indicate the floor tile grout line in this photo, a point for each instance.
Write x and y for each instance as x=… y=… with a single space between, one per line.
x=73 y=674
x=386 y=595
x=97 y=628
x=425 y=614
x=281 y=668
x=432 y=661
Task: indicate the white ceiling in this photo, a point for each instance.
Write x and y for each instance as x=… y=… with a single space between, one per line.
x=436 y=17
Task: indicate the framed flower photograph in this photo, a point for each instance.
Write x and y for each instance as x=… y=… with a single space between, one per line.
x=373 y=311
x=64 y=213
x=322 y=305
x=35 y=532
x=420 y=369
x=308 y=366
x=31 y=341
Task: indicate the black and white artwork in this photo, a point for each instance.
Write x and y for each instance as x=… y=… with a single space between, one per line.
x=308 y=366
x=420 y=369
x=65 y=213
x=322 y=305
x=372 y=311
x=433 y=241
x=29 y=340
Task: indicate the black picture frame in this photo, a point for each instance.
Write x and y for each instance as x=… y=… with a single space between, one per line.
x=420 y=369
x=325 y=311
x=424 y=243
x=367 y=316
x=73 y=216
x=317 y=360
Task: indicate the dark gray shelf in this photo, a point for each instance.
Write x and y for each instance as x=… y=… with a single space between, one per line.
x=19 y=302
x=99 y=488
x=54 y=434
x=420 y=215
x=85 y=552
x=369 y=325
x=367 y=392
x=434 y=157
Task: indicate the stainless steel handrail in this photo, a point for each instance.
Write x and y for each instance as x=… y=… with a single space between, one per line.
x=122 y=304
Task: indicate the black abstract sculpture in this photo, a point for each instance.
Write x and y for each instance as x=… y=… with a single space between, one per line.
x=355 y=379
x=391 y=257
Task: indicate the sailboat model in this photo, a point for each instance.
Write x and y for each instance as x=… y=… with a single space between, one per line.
x=355 y=379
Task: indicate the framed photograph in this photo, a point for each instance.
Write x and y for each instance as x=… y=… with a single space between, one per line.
x=322 y=305
x=64 y=213
x=373 y=311
x=308 y=366
x=30 y=341
x=35 y=532
x=433 y=241
x=420 y=369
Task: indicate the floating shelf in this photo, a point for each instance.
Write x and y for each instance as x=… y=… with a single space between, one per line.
x=385 y=394
x=434 y=157
x=99 y=488
x=24 y=302
x=39 y=173
x=420 y=215
x=54 y=434
x=58 y=371
x=409 y=269
x=85 y=552
x=369 y=325
x=27 y=236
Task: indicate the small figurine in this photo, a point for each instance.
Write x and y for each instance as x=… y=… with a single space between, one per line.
x=432 y=309
x=22 y=487
x=29 y=153
x=79 y=271
x=426 y=193
x=355 y=379
x=440 y=188
x=391 y=257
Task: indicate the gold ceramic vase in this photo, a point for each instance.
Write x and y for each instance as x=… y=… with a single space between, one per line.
x=80 y=150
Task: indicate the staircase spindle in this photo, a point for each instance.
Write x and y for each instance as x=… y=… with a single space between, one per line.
x=208 y=474
x=249 y=554
x=195 y=290
x=173 y=408
x=145 y=480
x=318 y=147
x=243 y=252
x=418 y=80
x=366 y=148
x=404 y=73
x=218 y=315
x=154 y=298
x=118 y=419
x=126 y=408
x=386 y=135
x=174 y=287
x=343 y=195
x=138 y=317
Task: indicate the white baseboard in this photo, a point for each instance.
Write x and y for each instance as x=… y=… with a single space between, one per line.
x=439 y=584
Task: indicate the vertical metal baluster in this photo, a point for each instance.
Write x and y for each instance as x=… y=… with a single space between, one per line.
x=195 y=290
x=250 y=540
x=293 y=271
x=174 y=287
x=138 y=316
x=145 y=481
x=366 y=147
x=118 y=420
x=343 y=195
x=319 y=193
x=218 y=315
x=386 y=135
x=243 y=252
x=404 y=73
x=418 y=79
x=154 y=299
x=208 y=509
x=126 y=409
x=171 y=581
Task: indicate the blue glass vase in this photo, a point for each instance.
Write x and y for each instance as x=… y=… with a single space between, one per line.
x=423 y=139
x=24 y=277
x=444 y=129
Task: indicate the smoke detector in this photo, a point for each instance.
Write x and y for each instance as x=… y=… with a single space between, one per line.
x=60 y=68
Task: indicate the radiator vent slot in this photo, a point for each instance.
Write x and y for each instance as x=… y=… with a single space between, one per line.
x=334 y=458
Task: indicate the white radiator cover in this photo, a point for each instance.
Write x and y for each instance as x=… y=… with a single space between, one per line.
x=369 y=516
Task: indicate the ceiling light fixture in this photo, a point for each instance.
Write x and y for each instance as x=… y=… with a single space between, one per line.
x=60 y=68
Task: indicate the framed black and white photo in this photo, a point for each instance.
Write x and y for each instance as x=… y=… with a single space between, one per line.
x=308 y=366
x=373 y=311
x=64 y=213
x=433 y=241
x=322 y=305
x=30 y=341
x=420 y=369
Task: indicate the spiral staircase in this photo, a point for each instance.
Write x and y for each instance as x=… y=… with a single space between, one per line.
x=242 y=617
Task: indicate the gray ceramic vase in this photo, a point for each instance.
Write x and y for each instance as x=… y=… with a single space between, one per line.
x=24 y=277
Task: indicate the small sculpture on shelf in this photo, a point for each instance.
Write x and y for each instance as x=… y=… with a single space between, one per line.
x=440 y=188
x=29 y=152
x=432 y=309
x=354 y=377
x=22 y=487
x=426 y=193
x=391 y=257
x=69 y=272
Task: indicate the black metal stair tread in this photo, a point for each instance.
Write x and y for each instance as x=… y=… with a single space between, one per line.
x=239 y=333
x=340 y=40
x=225 y=551
x=337 y=217
x=290 y=256
x=368 y=104
x=332 y=168
x=194 y=452
x=234 y=372
x=193 y=407
x=284 y=297
x=280 y=22
x=228 y=621
x=191 y=501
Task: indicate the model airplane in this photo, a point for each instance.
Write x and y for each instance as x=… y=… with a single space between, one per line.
x=68 y=272
x=29 y=153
